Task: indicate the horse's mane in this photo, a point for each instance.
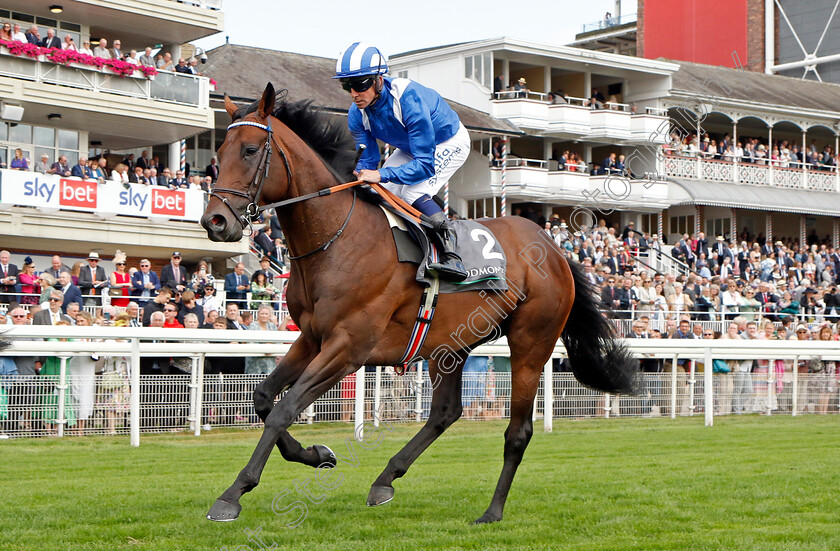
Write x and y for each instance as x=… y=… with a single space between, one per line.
x=325 y=134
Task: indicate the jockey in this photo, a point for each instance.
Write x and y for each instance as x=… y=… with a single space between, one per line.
x=431 y=143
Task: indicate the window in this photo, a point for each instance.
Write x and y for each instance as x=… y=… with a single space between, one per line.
x=479 y=68
x=650 y=223
x=717 y=226
x=68 y=139
x=44 y=136
x=682 y=224
x=402 y=74
x=484 y=208
x=20 y=133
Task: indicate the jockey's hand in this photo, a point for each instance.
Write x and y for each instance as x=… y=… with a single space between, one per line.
x=371 y=176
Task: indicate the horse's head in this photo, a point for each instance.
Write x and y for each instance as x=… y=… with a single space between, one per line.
x=245 y=179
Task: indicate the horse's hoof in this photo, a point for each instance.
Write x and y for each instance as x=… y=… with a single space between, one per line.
x=222 y=511
x=325 y=455
x=487 y=518
x=379 y=495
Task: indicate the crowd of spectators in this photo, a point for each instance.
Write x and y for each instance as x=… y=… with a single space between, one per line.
x=781 y=153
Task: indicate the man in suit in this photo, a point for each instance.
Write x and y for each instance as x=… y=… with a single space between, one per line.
x=53 y=314
x=116 y=52
x=34 y=36
x=71 y=292
x=143 y=162
x=102 y=49
x=173 y=275
x=137 y=177
x=609 y=294
x=129 y=162
x=57 y=267
x=8 y=277
x=212 y=169
x=182 y=66
x=179 y=180
x=144 y=283
x=92 y=280
x=82 y=170
x=51 y=40
x=237 y=286
x=60 y=167
x=264 y=240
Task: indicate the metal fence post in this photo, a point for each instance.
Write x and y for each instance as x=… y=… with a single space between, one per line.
x=707 y=383
x=134 y=398
x=607 y=406
x=674 y=387
x=418 y=398
x=548 y=397
x=692 y=371
x=771 y=382
x=794 y=402
x=377 y=394
x=199 y=395
x=359 y=414
x=61 y=420
x=193 y=386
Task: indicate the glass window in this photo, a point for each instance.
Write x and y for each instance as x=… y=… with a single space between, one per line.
x=4 y=131
x=44 y=136
x=47 y=22
x=68 y=139
x=468 y=67
x=71 y=26
x=23 y=17
x=72 y=156
x=20 y=133
x=488 y=64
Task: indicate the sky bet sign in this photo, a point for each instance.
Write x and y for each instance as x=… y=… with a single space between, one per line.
x=53 y=192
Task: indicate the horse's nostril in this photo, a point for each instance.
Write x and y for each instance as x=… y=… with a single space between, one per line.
x=217 y=220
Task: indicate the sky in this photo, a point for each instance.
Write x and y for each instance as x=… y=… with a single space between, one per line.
x=325 y=27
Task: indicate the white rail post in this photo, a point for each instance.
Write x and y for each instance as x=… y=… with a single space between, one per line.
x=61 y=420
x=607 y=406
x=692 y=371
x=771 y=381
x=377 y=395
x=548 y=398
x=193 y=392
x=674 y=387
x=418 y=398
x=198 y=367
x=794 y=402
x=707 y=390
x=134 y=399
x=360 y=404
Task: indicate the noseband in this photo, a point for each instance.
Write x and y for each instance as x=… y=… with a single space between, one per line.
x=253 y=210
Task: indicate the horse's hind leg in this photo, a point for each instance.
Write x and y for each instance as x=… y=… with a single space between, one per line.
x=445 y=410
x=285 y=374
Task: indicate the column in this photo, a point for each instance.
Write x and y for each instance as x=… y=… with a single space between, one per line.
x=804 y=171
x=698 y=224
x=504 y=175
x=733 y=226
x=802 y=234
x=769 y=154
x=175 y=156
x=735 y=160
x=547 y=79
x=769 y=227
x=836 y=233
x=659 y=225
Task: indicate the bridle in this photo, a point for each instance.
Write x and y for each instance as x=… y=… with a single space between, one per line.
x=253 y=209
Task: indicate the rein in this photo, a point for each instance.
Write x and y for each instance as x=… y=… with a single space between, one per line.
x=253 y=209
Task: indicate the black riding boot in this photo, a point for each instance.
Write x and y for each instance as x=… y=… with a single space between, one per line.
x=450 y=267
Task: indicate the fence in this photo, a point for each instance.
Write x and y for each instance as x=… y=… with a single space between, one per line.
x=766 y=377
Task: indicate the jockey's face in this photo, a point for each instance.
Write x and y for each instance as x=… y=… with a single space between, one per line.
x=364 y=99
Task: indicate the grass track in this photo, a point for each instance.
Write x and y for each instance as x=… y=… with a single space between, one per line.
x=747 y=483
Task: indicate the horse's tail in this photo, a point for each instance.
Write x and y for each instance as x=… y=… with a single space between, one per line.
x=598 y=360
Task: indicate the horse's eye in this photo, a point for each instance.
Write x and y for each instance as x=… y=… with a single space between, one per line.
x=251 y=150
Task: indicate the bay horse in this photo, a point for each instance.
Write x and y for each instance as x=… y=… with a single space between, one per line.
x=356 y=304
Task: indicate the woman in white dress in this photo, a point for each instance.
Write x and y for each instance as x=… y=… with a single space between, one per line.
x=82 y=374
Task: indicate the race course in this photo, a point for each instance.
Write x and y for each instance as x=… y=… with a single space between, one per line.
x=747 y=483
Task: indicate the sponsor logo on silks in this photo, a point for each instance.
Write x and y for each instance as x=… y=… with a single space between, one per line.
x=78 y=194
x=168 y=202
x=131 y=198
x=485 y=271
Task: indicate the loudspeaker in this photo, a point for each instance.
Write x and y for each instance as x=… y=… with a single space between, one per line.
x=11 y=112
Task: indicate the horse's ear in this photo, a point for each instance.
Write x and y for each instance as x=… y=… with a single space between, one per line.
x=230 y=107
x=267 y=102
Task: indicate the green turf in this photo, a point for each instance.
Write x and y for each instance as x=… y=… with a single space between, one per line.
x=747 y=483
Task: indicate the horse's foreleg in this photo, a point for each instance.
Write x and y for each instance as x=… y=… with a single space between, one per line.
x=524 y=384
x=445 y=410
x=285 y=374
x=327 y=368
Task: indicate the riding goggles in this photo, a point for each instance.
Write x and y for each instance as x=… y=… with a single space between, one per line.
x=359 y=85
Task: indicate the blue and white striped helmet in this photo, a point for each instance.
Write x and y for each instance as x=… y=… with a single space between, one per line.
x=360 y=59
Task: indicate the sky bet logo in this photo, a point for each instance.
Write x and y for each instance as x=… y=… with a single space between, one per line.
x=168 y=202
x=133 y=199
x=70 y=193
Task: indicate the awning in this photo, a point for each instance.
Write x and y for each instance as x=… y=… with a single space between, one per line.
x=746 y=196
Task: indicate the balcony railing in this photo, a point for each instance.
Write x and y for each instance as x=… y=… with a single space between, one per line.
x=165 y=86
x=609 y=22
x=794 y=176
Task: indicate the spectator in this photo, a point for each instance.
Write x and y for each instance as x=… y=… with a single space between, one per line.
x=69 y=44
x=137 y=177
x=201 y=277
x=6 y=32
x=189 y=306
x=132 y=58
x=262 y=292
x=101 y=49
x=144 y=283
x=193 y=66
x=53 y=315
x=179 y=181
x=237 y=286
x=182 y=66
x=823 y=383
x=9 y=274
x=261 y=364
x=173 y=275
x=147 y=59
x=81 y=169
x=85 y=49
x=60 y=167
x=521 y=88
x=47 y=284
x=49 y=41
x=19 y=162
x=43 y=166
x=211 y=318
x=29 y=283
x=166 y=64
x=170 y=313
x=209 y=303
x=71 y=292
x=92 y=280
x=120 y=282
x=33 y=36
x=156 y=305
x=212 y=170
x=116 y=51
x=18 y=35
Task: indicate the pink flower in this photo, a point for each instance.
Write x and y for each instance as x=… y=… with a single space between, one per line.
x=66 y=57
